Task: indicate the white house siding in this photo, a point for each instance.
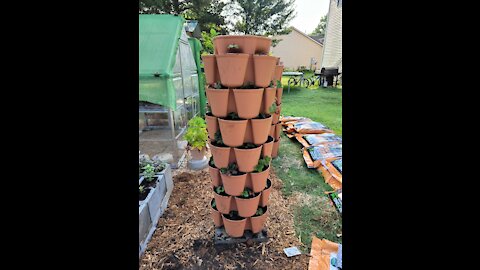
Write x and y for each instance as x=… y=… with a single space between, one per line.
x=296 y=50
x=332 y=51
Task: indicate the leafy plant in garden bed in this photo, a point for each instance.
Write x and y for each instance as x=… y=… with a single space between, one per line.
x=149 y=175
x=142 y=192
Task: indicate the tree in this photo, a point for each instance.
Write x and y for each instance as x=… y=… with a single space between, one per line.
x=261 y=17
x=320 y=29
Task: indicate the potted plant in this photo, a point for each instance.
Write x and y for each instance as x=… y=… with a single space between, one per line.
x=217 y=96
x=214 y=173
x=268 y=98
x=247 y=202
x=261 y=128
x=233 y=129
x=232 y=67
x=247 y=43
x=220 y=152
x=263 y=45
x=222 y=200
x=247 y=156
x=216 y=215
x=212 y=124
x=258 y=220
x=196 y=136
x=279 y=92
x=260 y=175
x=266 y=194
x=248 y=100
x=277 y=75
x=268 y=147
x=234 y=224
x=233 y=180
x=210 y=68
x=264 y=66
x=149 y=175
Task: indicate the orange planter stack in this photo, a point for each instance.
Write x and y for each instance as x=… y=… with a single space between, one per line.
x=246 y=71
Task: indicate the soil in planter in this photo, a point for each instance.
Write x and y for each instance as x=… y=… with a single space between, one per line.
x=260 y=211
x=144 y=195
x=248 y=194
x=151 y=184
x=233 y=216
x=214 y=204
x=248 y=146
x=220 y=191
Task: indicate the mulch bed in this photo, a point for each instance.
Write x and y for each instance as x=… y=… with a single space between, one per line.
x=184 y=235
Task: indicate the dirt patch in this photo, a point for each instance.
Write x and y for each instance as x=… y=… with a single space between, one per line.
x=184 y=235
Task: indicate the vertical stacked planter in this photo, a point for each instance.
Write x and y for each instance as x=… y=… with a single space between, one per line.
x=276 y=127
x=240 y=94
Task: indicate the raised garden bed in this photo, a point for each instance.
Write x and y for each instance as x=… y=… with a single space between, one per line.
x=153 y=206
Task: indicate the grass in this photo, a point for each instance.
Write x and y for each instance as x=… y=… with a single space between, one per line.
x=314 y=214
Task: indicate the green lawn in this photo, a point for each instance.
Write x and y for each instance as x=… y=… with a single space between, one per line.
x=314 y=214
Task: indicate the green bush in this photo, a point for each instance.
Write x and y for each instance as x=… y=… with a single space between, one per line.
x=196 y=134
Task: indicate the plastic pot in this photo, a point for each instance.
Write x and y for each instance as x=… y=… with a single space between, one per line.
x=216 y=216
x=247 y=159
x=261 y=129
x=210 y=65
x=268 y=147
x=215 y=176
x=234 y=228
x=218 y=100
x=233 y=132
x=265 y=194
x=279 y=95
x=223 y=202
x=247 y=207
x=264 y=66
x=232 y=68
x=259 y=180
x=221 y=155
x=212 y=125
x=233 y=184
x=276 y=145
x=248 y=102
x=268 y=98
x=259 y=221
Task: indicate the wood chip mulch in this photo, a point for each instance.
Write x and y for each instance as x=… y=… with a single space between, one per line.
x=184 y=235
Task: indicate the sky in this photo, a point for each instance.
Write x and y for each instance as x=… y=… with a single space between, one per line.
x=309 y=13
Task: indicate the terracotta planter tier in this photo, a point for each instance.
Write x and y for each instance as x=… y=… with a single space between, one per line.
x=218 y=101
x=259 y=180
x=248 y=102
x=268 y=98
x=210 y=65
x=246 y=43
x=268 y=147
x=257 y=223
x=232 y=68
x=277 y=75
x=247 y=207
x=263 y=45
x=224 y=203
x=215 y=176
x=233 y=184
x=233 y=132
x=216 y=216
x=277 y=131
x=234 y=228
x=264 y=66
x=247 y=159
x=275 y=148
x=276 y=118
x=261 y=129
x=221 y=155
x=279 y=95
x=212 y=125
x=265 y=194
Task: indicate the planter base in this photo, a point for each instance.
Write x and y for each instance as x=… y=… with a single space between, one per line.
x=221 y=238
x=198 y=164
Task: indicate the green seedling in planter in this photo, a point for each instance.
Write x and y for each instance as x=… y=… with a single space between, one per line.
x=233 y=48
x=248 y=146
x=259 y=212
x=218 y=85
x=233 y=116
x=263 y=116
x=214 y=204
x=219 y=189
x=232 y=169
x=273 y=108
x=218 y=139
x=263 y=164
x=271 y=84
x=211 y=162
x=197 y=134
x=149 y=173
x=141 y=189
x=279 y=84
x=247 y=85
x=247 y=193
